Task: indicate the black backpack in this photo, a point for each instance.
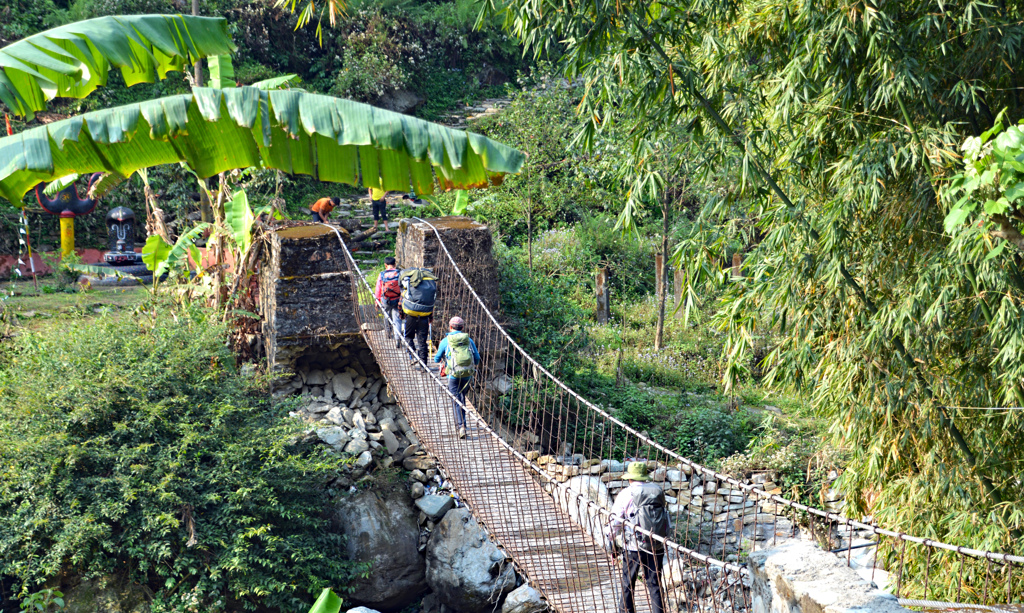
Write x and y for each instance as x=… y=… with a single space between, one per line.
x=419 y=286
x=650 y=512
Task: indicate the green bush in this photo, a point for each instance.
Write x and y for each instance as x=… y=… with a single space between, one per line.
x=131 y=446
x=547 y=321
x=709 y=432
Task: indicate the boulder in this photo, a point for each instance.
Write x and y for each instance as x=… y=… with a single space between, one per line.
x=335 y=416
x=315 y=377
x=416 y=490
x=381 y=529
x=464 y=568
x=343 y=386
x=365 y=459
x=400 y=101
x=108 y=593
x=334 y=436
x=362 y=610
x=390 y=441
x=435 y=507
x=582 y=491
x=356 y=447
x=524 y=599
x=420 y=462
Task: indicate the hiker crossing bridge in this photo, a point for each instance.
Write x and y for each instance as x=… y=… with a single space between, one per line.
x=549 y=515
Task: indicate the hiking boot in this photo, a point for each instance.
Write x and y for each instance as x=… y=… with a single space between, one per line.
x=462 y=432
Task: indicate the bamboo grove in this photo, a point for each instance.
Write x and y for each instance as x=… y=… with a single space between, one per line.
x=827 y=135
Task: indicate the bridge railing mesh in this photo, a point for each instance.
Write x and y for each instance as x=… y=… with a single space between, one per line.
x=718 y=520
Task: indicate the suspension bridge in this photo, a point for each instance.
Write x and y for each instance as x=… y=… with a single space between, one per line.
x=553 y=530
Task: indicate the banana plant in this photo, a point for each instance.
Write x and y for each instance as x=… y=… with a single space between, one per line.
x=73 y=60
x=161 y=257
x=328 y=602
x=298 y=132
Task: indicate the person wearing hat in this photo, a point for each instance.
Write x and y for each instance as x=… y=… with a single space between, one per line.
x=460 y=356
x=640 y=505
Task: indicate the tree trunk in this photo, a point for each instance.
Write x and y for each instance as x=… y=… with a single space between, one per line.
x=604 y=310
x=218 y=262
x=198 y=76
x=659 y=335
x=529 y=235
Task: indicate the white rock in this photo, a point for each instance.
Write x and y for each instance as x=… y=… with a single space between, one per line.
x=359 y=434
x=369 y=418
x=501 y=384
x=356 y=447
x=335 y=416
x=524 y=599
x=364 y=459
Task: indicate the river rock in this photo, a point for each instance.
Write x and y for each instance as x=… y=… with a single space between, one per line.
x=464 y=568
x=524 y=599
x=362 y=610
x=382 y=529
x=416 y=490
x=435 y=507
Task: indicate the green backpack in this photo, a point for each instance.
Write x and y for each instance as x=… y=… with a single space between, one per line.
x=459 y=357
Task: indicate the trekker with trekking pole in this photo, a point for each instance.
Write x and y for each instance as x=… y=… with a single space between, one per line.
x=419 y=288
x=642 y=503
x=460 y=357
x=388 y=292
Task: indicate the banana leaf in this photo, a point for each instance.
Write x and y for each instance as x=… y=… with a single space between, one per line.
x=73 y=60
x=214 y=131
x=461 y=202
x=154 y=252
x=328 y=602
x=282 y=82
x=239 y=218
x=52 y=189
x=222 y=71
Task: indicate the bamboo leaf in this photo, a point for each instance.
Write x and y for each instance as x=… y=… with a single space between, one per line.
x=73 y=60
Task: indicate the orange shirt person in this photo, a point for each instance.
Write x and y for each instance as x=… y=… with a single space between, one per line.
x=322 y=208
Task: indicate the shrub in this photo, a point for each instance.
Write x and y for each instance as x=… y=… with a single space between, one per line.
x=546 y=321
x=132 y=447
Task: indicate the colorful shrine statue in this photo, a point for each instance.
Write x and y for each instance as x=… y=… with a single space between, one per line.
x=67 y=204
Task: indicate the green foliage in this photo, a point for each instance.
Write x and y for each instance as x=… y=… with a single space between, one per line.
x=48 y=599
x=833 y=121
x=130 y=445
x=21 y=18
x=547 y=322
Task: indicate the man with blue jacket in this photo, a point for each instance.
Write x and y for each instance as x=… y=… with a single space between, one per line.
x=460 y=357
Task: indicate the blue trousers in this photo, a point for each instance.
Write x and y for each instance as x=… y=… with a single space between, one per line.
x=458 y=389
